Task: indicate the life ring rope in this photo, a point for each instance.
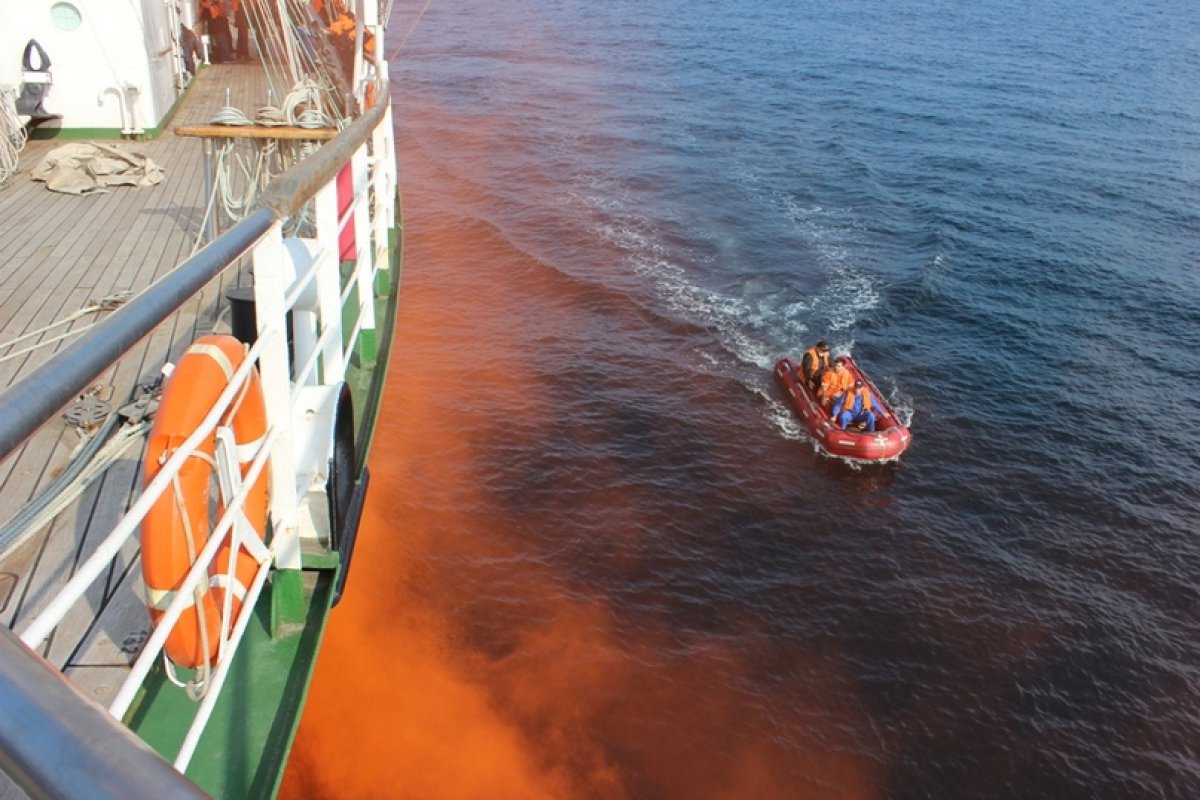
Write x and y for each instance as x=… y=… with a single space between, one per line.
x=177 y=528
x=160 y=599
x=197 y=687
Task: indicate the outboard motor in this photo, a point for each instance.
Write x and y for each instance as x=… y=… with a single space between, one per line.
x=37 y=82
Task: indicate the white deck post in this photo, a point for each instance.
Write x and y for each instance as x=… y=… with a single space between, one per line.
x=329 y=284
x=384 y=213
x=270 y=279
x=363 y=267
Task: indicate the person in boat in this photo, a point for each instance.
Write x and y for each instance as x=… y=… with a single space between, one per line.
x=834 y=382
x=856 y=406
x=814 y=363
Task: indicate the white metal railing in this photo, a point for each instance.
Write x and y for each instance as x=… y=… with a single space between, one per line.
x=277 y=291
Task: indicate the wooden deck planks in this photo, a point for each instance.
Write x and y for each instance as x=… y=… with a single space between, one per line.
x=57 y=253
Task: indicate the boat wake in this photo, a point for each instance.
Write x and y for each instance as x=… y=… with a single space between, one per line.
x=737 y=331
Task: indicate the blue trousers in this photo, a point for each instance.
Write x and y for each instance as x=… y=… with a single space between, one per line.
x=846 y=418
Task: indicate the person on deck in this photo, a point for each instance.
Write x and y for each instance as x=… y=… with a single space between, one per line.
x=814 y=363
x=242 y=22
x=834 y=382
x=215 y=17
x=855 y=406
x=189 y=44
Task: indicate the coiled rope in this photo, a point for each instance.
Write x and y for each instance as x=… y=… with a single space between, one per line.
x=302 y=107
x=91 y=462
x=12 y=134
x=239 y=178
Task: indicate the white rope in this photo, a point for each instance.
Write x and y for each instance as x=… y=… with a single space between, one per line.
x=230 y=115
x=198 y=685
x=12 y=134
x=410 y=30
x=233 y=168
x=270 y=117
x=212 y=200
x=239 y=179
x=286 y=43
x=303 y=107
x=103 y=304
x=13 y=535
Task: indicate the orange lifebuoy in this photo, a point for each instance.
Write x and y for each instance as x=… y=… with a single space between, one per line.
x=370 y=96
x=177 y=526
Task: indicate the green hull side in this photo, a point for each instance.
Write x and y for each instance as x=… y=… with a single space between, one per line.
x=244 y=749
x=250 y=734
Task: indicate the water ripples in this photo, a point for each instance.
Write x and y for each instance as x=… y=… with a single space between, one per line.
x=991 y=206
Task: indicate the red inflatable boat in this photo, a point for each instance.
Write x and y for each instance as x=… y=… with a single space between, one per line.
x=888 y=440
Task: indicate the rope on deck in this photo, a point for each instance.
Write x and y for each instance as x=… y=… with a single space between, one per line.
x=12 y=134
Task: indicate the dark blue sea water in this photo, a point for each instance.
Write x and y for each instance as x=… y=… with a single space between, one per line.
x=994 y=206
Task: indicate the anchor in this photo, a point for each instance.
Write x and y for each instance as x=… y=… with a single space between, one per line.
x=37 y=80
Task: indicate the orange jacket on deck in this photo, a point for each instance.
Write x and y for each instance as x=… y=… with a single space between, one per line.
x=336 y=5
x=344 y=26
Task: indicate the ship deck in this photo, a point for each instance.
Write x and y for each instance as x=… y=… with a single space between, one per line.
x=59 y=254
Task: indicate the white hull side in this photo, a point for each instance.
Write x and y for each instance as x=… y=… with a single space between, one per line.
x=114 y=72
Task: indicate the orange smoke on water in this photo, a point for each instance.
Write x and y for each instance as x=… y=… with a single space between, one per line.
x=390 y=714
x=424 y=689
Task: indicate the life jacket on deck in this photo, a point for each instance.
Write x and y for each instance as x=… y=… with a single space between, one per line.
x=342 y=29
x=212 y=10
x=328 y=10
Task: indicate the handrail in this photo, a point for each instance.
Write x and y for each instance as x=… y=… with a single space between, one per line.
x=67 y=747
x=36 y=398
x=59 y=725
x=287 y=194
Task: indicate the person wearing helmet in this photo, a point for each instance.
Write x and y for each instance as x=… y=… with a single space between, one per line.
x=856 y=406
x=814 y=363
x=834 y=381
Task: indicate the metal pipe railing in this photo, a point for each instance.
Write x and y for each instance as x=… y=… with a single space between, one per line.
x=35 y=399
x=59 y=745
x=46 y=724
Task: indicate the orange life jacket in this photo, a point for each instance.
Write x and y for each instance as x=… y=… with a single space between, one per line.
x=344 y=26
x=864 y=397
x=817 y=361
x=834 y=383
x=337 y=6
